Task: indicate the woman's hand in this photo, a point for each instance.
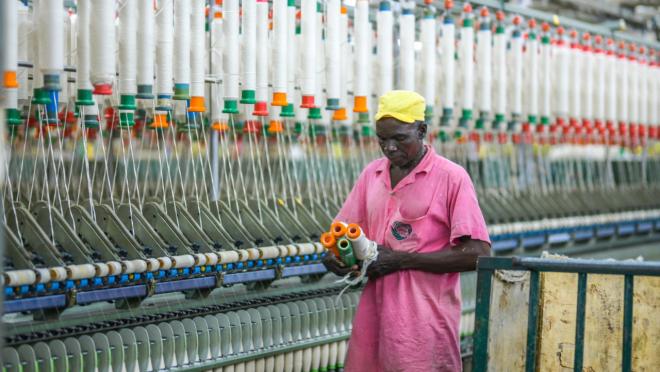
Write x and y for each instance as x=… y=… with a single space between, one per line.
x=336 y=266
x=388 y=262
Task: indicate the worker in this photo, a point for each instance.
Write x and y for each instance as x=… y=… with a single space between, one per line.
x=422 y=210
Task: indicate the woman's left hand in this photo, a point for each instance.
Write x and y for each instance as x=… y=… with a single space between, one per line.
x=388 y=261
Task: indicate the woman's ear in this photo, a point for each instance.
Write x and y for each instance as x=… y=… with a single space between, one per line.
x=421 y=130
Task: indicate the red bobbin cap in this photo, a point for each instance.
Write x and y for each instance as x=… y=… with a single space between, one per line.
x=103 y=89
x=260 y=109
x=307 y=102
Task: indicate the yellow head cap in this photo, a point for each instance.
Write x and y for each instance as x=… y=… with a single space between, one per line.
x=403 y=105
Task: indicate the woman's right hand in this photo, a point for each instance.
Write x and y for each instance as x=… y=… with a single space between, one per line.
x=337 y=267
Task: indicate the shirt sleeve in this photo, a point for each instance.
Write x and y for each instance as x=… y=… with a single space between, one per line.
x=465 y=217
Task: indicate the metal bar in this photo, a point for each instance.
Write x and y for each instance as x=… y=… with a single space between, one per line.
x=628 y=290
x=484 y=284
x=532 y=321
x=570 y=266
x=579 y=321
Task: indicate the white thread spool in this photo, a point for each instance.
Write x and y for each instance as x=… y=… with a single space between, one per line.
x=428 y=58
x=9 y=19
x=448 y=64
x=24 y=47
x=269 y=252
x=283 y=250
x=249 y=31
x=362 y=246
x=262 y=51
x=533 y=78
x=145 y=50
x=484 y=66
x=316 y=358
x=633 y=103
x=362 y=55
x=407 y=47
x=499 y=46
x=309 y=34
x=384 y=29
x=226 y=257
x=115 y=267
x=243 y=254
x=517 y=56
x=332 y=360
x=127 y=47
x=200 y=259
x=43 y=275
x=576 y=80
x=164 y=47
x=601 y=85
x=546 y=67
x=83 y=46
x=102 y=269
x=153 y=264
x=182 y=42
x=51 y=37
x=211 y=258
x=181 y=261
x=231 y=49
x=333 y=46
x=292 y=51
x=306 y=249
x=341 y=354
x=325 y=356
x=83 y=271
x=624 y=84
x=165 y=263
x=16 y=278
x=563 y=92
x=589 y=74
x=134 y=266
x=102 y=43
x=280 y=50
x=319 y=247
x=466 y=48
x=292 y=250
x=58 y=273
x=196 y=40
x=217 y=70
x=253 y=253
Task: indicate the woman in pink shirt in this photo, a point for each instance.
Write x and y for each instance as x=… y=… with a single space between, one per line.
x=423 y=212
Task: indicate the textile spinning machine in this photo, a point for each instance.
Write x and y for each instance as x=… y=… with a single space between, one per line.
x=169 y=166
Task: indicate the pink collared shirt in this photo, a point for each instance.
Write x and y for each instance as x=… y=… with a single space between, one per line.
x=409 y=320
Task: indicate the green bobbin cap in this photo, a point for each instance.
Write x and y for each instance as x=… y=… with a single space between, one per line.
x=341 y=130
x=468 y=22
x=181 y=92
x=532 y=119
x=499 y=118
x=126 y=119
x=248 y=96
x=314 y=113
x=288 y=111
x=532 y=36
x=319 y=7
x=428 y=113
x=545 y=120
x=458 y=134
x=499 y=29
x=447 y=114
x=145 y=92
x=85 y=97
x=480 y=123
x=332 y=104
x=466 y=114
x=368 y=131
x=40 y=97
x=231 y=106
x=463 y=122
x=317 y=130
x=363 y=118
x=299 y=127
x=291 y=3
x=91 y=121
x=127 y=102
x=13 y=117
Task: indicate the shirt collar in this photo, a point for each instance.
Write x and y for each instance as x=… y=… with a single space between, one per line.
x=424 y=165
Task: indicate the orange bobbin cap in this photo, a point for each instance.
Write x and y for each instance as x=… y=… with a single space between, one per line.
x=160 y=122
x=338 y=229
x=449 y=4
x=483 y=11
x=560 y=30
x=9 y=79
x=196 y=104
x=516 y=20
x=499 y=15
x=279 y=99
x=353 y=231
x=360 y=104
x=219 y=126
x=545 y=26
x=275 y=126
x=344 y=10
x=531 y=23
x=340 y=115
